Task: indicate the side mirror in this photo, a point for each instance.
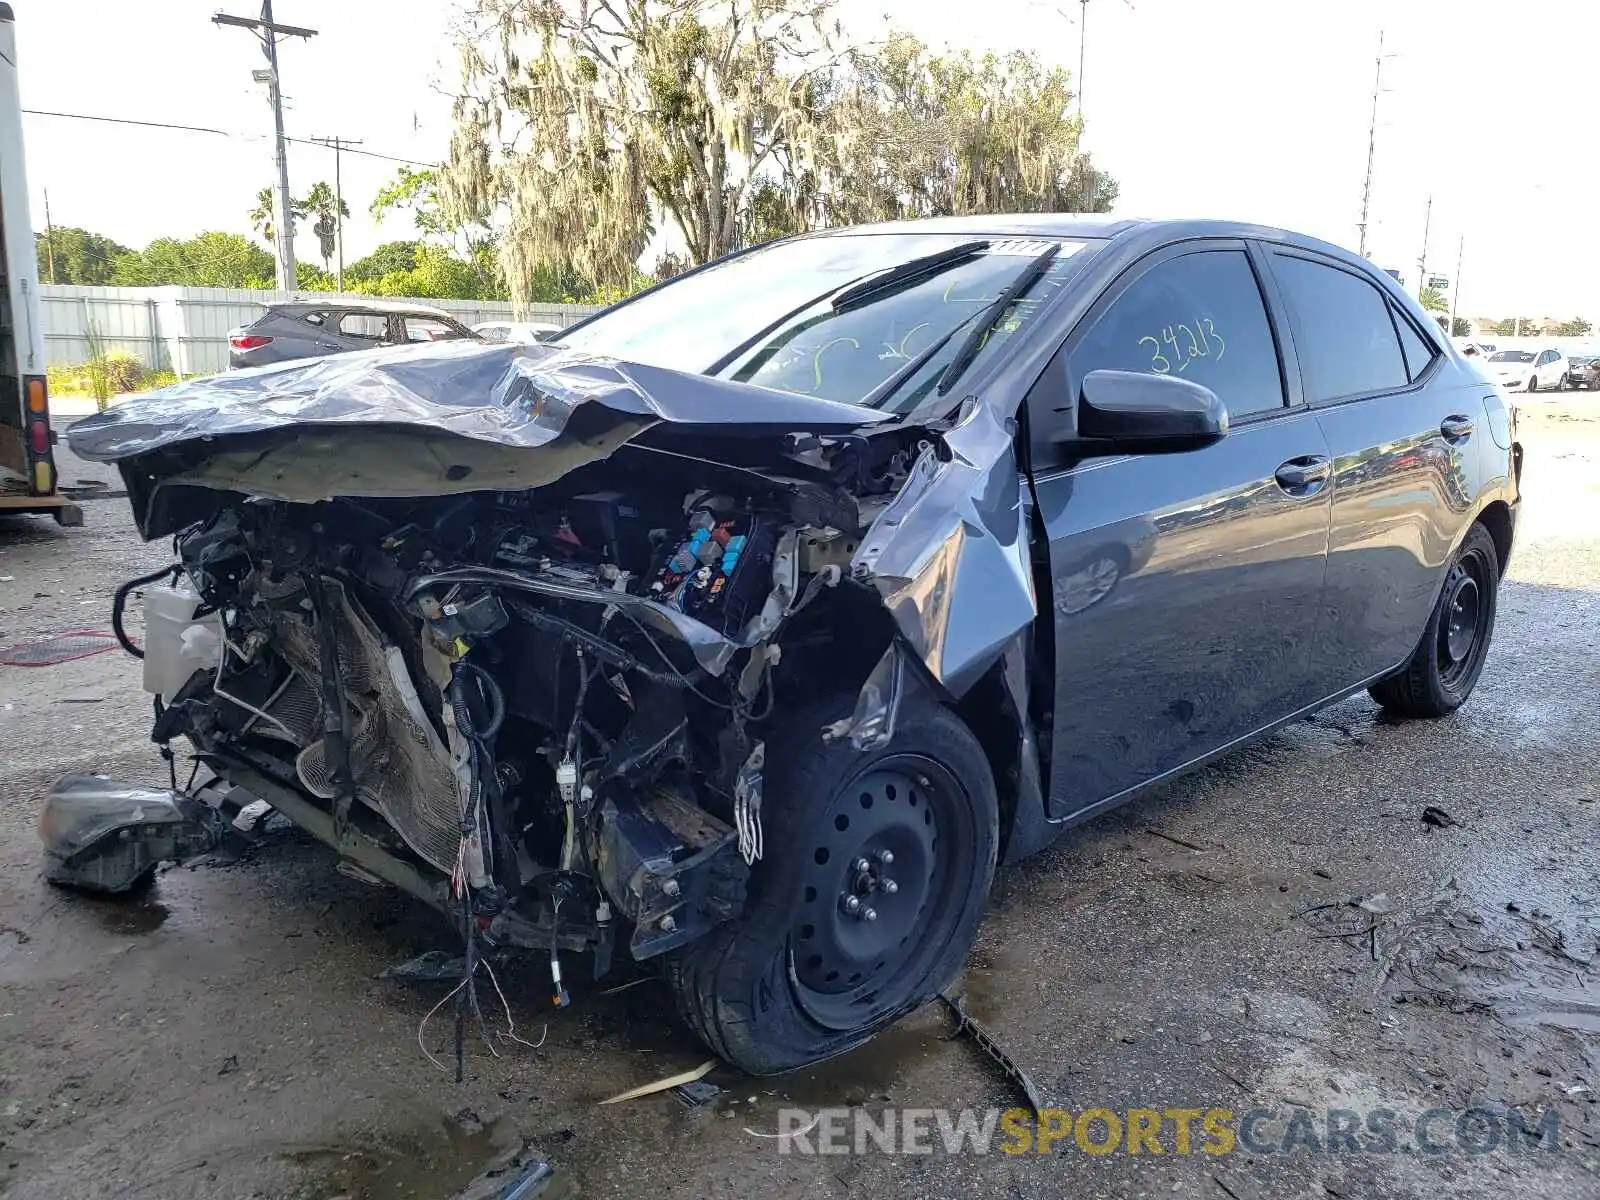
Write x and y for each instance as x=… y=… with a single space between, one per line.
x=1131 y=412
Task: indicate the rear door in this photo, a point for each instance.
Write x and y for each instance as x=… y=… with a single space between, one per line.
x=421 y=327
x=364 y=330
x=1182 y=585
x=1552 y=369
x=1403 y=432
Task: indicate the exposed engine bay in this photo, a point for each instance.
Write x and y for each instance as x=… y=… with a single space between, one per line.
x=551 y=641
x=554 y=699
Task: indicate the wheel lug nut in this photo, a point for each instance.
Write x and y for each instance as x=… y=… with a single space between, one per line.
x=870 y=914
x=886 y=857
x=852 y=904
x=889 y=886
x=862 y=864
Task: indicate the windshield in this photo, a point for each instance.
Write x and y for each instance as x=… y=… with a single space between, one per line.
x=767 y=317
x=1512 y=356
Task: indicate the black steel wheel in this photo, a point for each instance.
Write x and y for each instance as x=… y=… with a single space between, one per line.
x=877 y=878
x=1444 y=668
x=876 y=870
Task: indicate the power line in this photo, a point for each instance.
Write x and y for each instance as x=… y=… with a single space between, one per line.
x=348 y=149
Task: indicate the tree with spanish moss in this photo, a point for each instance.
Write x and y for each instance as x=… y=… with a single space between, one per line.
x=587 y=126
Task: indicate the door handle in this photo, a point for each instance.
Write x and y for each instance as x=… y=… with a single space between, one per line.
x=1456 y=429
x=1304 y=475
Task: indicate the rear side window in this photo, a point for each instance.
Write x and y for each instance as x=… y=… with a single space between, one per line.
x=428 y=329
x=494 y=333
x=1199 y=316
x=1418 y=350
x=1342 y=330
x=314 y=318
x=372 y=326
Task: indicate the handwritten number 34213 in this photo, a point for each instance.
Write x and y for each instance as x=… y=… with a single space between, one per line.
x=1185 y=345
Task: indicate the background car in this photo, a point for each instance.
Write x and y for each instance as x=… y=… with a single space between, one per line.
x=1528 y=369
x=309 y=328
x=1581 y=369
x=517 y=331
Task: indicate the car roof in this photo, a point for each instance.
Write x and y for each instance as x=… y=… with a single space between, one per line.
x=1096 y=227
x=342 y=304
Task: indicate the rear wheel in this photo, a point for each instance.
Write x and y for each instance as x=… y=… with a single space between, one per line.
x=875 y=876
x=1447 y=661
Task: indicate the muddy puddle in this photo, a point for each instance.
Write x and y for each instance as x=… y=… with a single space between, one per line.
x=1522 y=961
x=464 y=1159
x=136 y=916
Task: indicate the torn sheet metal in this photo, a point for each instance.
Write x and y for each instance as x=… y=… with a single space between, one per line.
x=949 y=555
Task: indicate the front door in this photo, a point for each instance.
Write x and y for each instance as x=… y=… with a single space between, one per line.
x=1183 y=585
x=1404 y=430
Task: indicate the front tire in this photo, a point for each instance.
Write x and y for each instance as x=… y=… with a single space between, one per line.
x=1447 y=661
x=877 y=869
x=1533 y=384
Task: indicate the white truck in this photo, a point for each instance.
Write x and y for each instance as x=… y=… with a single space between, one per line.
x=27 y=443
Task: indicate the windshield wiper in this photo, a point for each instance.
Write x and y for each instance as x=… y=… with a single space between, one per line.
x=852 y=294
x=1026 y=278
x=915 y=363
x=913 y=269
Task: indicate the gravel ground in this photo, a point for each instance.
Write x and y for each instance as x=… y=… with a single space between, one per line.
x=225 y=1035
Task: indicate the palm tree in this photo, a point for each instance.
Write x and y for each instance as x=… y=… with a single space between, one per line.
x=261 y=215
x=1432 y=299
x=328 y=209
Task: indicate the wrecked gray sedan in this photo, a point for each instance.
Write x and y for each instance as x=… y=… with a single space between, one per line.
x=745 y=629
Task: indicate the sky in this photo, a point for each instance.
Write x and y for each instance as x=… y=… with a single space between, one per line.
x=1246 y=109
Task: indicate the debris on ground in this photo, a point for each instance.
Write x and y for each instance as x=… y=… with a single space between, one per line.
x=664 y=1085
x=1438 y=818
x=697 y=1093
x=522 y=1175
x=1176 y=841
x=1008 y=1067
x=432 y=966
x=62 y=647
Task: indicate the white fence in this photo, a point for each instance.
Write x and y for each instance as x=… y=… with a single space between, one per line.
x=185 y=329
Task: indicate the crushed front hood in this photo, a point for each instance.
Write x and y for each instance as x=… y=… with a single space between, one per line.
x=431 y=419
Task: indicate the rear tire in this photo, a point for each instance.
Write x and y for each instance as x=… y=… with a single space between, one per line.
x=1447 y=661
x=803 y=974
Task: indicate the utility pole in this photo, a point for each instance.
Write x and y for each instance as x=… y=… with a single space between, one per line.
x=1083 y=42
x=339 y=145
x=1455 y=286
x=1372 y=144
x=49 y=237
x=1422 y=259
x=283 y=219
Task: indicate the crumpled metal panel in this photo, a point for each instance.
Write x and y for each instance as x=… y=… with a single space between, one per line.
x=522 y=396
x=949 y=555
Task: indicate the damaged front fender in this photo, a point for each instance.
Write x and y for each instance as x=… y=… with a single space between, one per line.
x=949 y=555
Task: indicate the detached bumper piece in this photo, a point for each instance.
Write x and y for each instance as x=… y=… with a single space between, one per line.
x=103 y=836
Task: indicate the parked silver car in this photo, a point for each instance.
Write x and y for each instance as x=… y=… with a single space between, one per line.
x=311 y=328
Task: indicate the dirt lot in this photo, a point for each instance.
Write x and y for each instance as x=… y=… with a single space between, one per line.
x=226 y=1035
